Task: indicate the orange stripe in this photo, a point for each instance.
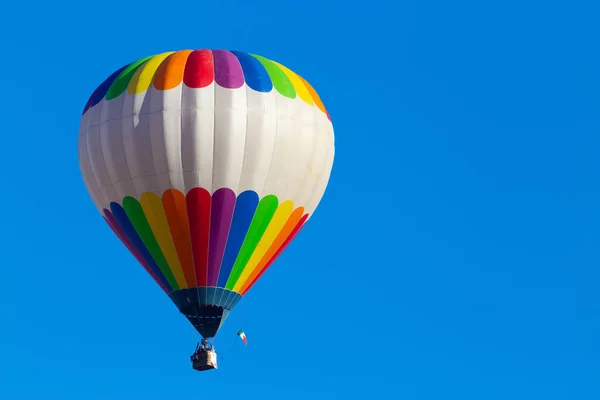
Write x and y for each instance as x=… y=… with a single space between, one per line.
x=176 y=211
x=170 y=72
x=285 y=244
x=283 y=235
x=314 y=95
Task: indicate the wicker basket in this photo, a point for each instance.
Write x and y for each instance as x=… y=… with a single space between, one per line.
x=205 y=360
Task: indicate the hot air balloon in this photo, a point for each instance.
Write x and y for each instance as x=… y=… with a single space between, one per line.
x=206 y=164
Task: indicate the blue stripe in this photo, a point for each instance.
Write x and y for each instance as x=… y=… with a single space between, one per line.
x=245 y=207
x=255 y=74
x=103 y=88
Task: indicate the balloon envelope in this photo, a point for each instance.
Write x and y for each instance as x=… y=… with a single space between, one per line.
x=205 y=164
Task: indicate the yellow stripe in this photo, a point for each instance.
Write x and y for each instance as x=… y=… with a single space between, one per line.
x=155 y=214
x=143 y=77
x=301 y=89
x=279 y=219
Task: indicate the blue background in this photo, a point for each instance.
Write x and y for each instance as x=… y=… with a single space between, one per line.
x=454 y=255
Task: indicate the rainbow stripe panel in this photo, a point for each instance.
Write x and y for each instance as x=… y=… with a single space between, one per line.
x=206 y=164
x=200 y=68
x=201 y=240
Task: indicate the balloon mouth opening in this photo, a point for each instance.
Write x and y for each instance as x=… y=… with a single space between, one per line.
x=205 y=307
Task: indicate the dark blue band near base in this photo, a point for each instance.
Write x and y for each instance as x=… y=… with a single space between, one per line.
x=205 y=307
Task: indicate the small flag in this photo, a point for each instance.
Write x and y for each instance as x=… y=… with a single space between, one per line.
x=242 y=335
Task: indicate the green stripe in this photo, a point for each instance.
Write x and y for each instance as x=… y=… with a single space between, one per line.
x=280 y=80
x=264 y=212
x=140 y=223
x=120 y=84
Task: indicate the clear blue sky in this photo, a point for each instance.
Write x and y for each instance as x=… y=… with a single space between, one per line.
x=454 y=256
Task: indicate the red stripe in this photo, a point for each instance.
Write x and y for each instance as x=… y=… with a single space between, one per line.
x=198 y=205
x=281 y=249
x=199 y=69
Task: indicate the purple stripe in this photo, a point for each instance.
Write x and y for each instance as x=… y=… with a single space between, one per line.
x=221 y=212
x=228 y=70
